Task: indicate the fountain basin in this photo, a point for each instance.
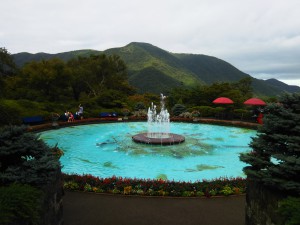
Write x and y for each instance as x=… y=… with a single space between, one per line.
x=172 y=139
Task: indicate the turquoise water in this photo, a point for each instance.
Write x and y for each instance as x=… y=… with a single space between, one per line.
x=104 y=150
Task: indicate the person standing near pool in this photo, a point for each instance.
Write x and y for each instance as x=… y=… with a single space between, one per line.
x=80 y=111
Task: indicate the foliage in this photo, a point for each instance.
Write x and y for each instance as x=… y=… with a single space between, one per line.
x=139 y=106
x=178 y=109
x=9 y=114
x=186 y=115
x=185 y=70
x=275 y=160
x=7 y=64
x=7 y=68
x=289 y=209
x=158 y=187
x=205 y=111
x=25 y=158
x=56 y=80
x=242 y=113
x=205 y=94
x=20 y=203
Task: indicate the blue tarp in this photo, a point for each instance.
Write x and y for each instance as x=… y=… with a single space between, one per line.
x=108 y=114
x=33 y=119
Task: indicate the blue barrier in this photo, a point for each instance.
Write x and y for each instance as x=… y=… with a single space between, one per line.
x=33 y=120
x=107 y=114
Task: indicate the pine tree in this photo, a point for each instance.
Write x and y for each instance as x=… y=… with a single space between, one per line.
x=275 y=159
x=24 y=158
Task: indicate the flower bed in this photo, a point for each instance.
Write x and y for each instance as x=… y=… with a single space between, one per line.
x=148 y=187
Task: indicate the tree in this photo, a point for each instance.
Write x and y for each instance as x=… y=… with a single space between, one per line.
x=7 y=64
x=47 y=79
x=24 y=158
x=98 y=73
x=78 y=74
x=275 y=159
x=7 y=68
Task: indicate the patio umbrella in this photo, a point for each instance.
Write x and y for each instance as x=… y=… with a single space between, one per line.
x=223 y=100
x=254 y=101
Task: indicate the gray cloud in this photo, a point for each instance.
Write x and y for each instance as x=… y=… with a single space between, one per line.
x=261 y=38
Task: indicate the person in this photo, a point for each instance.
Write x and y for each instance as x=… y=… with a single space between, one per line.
x=71 y=117
x=66 y=116
x=80 y=111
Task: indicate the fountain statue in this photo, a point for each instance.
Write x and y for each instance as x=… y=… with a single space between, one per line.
x=158 y=127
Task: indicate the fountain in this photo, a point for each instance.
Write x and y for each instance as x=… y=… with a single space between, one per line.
x=158 y=127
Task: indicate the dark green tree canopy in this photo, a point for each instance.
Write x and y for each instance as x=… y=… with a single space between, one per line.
x=24 y=158
x=275 y=159
x=7 y=64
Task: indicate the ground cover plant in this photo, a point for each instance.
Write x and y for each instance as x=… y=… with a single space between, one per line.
x=27 y=167
x=155 y=187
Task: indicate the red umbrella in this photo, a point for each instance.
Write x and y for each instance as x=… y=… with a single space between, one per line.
x=223 y=100
x=254 y=101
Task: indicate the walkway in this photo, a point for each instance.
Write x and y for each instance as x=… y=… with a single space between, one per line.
x=93 y=209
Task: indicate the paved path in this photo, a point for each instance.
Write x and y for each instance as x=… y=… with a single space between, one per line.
x=94 y=209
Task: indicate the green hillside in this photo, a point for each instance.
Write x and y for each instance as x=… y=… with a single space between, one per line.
x=152 y=80
x=211 y=69
x=140 y=56
x=155 y=70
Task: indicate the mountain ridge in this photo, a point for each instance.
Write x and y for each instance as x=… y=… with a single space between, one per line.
x=152 y=69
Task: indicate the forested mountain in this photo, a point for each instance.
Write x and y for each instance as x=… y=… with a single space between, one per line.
x=152 y=69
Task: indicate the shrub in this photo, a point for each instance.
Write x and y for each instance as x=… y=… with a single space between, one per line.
x=178 y=109
x=222 y=186
x=242 y=113
x=9 y=114
x=25 y=158
x=274 y=160
x=227 y=191
x=186 y=115
x=205 y=111
x=289 y=209
x=20 y=203
x=139 y=106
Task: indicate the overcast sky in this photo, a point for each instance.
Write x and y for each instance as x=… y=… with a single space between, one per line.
x=259 y=37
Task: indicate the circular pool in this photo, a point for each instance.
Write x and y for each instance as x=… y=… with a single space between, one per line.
x=107 y=150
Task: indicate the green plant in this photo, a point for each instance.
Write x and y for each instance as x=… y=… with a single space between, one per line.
x=187 y=193
x=274 y=160
x=199 y=193
x=87 y=187
x=154 y=187
x=20 y=203
x=226 y=190
x=25 y=158
x=205 y=111
x=178 y=109
x=289 y=209
x=116 y=191
x=213 y=192
x=139 y=106
x=71 y=185
x=9 y=114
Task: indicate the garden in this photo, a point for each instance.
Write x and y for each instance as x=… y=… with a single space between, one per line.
x=155 y=187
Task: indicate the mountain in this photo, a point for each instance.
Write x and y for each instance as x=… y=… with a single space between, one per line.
x=152 y=69
x=283 y=86
x=142 y=58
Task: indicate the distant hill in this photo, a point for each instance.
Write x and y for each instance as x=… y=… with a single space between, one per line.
x=155 y=70
x=283 y=86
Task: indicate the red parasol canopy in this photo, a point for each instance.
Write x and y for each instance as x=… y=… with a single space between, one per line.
x=254 y=101
x=223 y=100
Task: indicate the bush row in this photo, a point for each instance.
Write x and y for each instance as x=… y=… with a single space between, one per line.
x=156 y=187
